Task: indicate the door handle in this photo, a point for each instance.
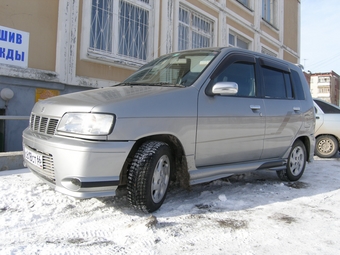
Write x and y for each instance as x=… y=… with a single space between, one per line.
x=255 y=107
x=296 y=109
x=317 y=117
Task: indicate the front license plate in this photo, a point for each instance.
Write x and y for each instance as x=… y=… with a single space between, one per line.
x=34 y=158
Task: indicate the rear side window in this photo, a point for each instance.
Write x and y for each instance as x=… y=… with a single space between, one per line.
x=276 y=84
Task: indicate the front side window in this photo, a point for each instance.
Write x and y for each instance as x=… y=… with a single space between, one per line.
x=194 y=30
x=241 y=73
x=269 y=11
x=121 y=29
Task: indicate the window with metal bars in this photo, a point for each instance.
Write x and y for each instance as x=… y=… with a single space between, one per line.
x=121 y=28
x=194 y=30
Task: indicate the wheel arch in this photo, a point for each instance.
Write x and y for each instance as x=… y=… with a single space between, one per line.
x=307 y=143
x=179 y=171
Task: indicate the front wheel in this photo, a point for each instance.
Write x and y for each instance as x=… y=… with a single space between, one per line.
x=326 y=146
x=149 y=176
x=296 y=163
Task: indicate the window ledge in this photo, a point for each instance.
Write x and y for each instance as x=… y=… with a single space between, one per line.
x=110 y=60
x=245 y=6
x=270 y=24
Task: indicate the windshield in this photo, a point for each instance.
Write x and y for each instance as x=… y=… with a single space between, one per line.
x=175 y=69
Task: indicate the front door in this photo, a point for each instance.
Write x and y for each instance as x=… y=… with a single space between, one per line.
x=231 y=128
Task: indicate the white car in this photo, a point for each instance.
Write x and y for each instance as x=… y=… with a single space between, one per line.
x=327 y=129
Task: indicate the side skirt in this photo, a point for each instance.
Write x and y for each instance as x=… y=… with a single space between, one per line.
x=211 y=173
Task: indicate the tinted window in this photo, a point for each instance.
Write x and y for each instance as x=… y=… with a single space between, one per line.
x=241 y=73
x=289 y=91
x=327 y=108
x=297 y=85
x=274 y=83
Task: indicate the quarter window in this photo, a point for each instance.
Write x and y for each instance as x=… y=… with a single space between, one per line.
x=194 y=30
x=297 y=85
x=121 y=29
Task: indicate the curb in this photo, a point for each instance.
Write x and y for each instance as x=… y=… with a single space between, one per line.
x=11 y=160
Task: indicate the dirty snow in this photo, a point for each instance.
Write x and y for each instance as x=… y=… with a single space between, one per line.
x=251 y=214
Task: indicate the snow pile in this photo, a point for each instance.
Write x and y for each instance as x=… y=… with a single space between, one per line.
x=250 y=214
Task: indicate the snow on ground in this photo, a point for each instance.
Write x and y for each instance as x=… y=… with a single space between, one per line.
x=251 y=214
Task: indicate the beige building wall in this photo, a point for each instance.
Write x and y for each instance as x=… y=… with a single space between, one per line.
x=245 y=13
x=58 y=35
x=291 y=24
x=40 y=19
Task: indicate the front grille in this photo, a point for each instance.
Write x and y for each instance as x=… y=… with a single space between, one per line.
x=43 y=125
x=47 y=172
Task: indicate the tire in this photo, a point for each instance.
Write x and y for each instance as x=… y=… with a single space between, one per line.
x=149 y=176
x=326 y=146
x=296 y=163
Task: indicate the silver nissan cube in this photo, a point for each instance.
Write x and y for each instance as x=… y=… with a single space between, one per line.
x=187 y=117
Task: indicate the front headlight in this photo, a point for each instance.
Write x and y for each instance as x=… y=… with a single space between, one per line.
x=86 y=123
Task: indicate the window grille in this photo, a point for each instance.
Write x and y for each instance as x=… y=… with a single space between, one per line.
x=194 y=30
x=268 y=52
x=121 y=29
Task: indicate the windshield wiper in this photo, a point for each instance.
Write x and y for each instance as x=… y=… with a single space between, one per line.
x=166 y=84
x=131 y=84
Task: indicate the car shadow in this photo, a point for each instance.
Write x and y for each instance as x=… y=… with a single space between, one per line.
x=240 y=192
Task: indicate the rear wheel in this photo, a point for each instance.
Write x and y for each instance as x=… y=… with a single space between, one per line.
x=149 y=176
x=326 y=146
x=296 y=163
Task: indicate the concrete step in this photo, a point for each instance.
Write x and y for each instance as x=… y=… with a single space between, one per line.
x=11 y=160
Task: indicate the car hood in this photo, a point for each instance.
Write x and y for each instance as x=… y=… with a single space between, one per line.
x=127 y=101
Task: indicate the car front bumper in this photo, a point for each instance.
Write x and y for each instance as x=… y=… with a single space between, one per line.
x=76 y=167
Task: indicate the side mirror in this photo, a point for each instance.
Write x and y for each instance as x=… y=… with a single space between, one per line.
x=225 y=88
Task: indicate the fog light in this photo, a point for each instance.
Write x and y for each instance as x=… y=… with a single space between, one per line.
x=73 y=184
x=76 y=182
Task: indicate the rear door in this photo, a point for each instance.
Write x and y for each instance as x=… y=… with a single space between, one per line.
x=283 y=108
x=231 y=128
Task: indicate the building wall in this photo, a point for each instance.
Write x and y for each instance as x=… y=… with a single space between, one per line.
x=39 y=18
x=325 y=86
x=291 y=19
